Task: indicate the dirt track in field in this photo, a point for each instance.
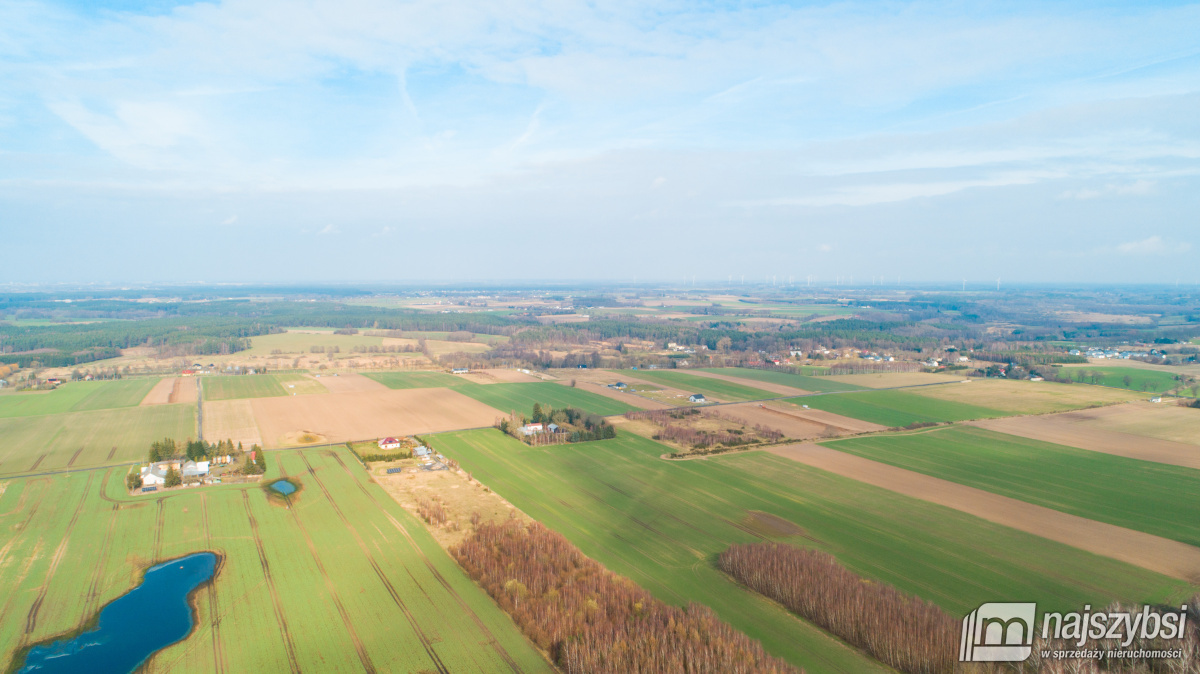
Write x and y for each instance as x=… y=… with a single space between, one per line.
x=350 y=383
x=1164 y=556
x=752 y=383
x=1072 y=429
x=231 y=420
x=369 y=414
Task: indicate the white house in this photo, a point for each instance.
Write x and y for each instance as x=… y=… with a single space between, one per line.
x=1156 y=399
x=459 y=370
x=530 y=429
x=389 y=443
x=697 y=398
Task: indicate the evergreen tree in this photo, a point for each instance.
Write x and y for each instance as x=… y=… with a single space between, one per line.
x=173 y=478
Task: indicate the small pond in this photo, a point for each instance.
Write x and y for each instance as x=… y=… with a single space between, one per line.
x=284 y=487
x=134 y=626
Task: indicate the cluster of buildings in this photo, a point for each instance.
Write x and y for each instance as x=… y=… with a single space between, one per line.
x=1112 y=353
x=155 y=475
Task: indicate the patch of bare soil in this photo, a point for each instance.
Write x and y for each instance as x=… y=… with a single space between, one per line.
x=1168 y=557
x=627 y=398
x=446 y=500
x=303 y=438
x=844 y=425
x=770 y=525
x=1074 y=429
x=350 y=383
x=185 y=390
x=161 y=393
x=369 y=414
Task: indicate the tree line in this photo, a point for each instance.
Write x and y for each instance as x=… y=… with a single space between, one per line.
x=591 y=620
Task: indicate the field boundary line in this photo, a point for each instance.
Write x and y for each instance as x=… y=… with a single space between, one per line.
x=1161 y=555
x=288 y=645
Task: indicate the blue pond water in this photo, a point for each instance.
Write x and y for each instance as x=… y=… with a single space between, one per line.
x=283 y=487
x=149 y=617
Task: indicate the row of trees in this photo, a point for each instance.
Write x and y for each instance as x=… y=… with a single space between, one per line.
x=591 y=620
x=899 y=630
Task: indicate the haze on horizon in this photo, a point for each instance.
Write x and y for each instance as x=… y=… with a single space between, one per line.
x=362 y=140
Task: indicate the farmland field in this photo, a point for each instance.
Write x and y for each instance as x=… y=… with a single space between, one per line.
x=1153 y=381
x=1152 y=497
x=83 y=439
x=895 y=408
x=800 y=381
x=344 y=580
x=78 y=396
x=661 y=522
x=521 y=397
x=293 y=342
x=304 y=420
x=234 y=387
x=722 y=390
x=418 y=379
x=1025 y=397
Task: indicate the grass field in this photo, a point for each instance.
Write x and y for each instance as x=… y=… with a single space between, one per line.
x=1152 y=497
x=83 y=439
x=662 y=522
x=1152 y=381
x=805 y=382
x=896 y=408
x=234 y=387
x=402 y=380
x=1025 y=397
x=344 y=580
x=521 y=397
x=722 y=390
x=77 y=396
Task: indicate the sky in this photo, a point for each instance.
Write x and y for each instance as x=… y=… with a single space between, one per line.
x=383 y=141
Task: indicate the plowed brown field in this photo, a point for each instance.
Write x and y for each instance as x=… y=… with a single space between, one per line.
x=367 y=414
x=1164 y=556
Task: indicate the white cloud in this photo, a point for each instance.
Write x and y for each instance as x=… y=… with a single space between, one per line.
x=329 y=229
x=1137 y=188
x=1152 y=245
x=230 y=220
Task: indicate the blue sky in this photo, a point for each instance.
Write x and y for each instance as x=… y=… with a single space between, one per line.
x=371 y=140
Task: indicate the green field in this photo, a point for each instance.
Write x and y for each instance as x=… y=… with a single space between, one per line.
x=800 y=381
x=1152 y=497
x=404 y=380
x=662 y=522
x=232 y=387
x=521 y=397
x=78 y=396
x=722 y=390
x=895 y=408
x=1151 y=381
x=345 y=580
x=84 y=439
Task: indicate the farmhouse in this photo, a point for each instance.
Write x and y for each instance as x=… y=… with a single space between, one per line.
x=459 y=370
x=697 y=398
x=1156 y=399
x=156 y=473
x=389 y=443
x=530 y=429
